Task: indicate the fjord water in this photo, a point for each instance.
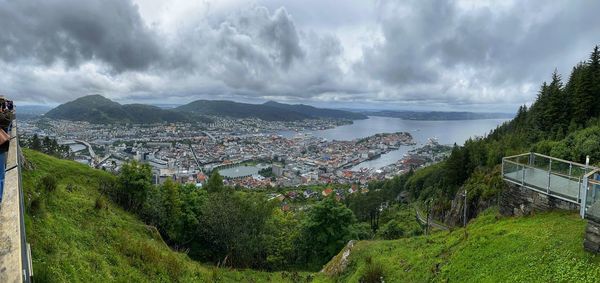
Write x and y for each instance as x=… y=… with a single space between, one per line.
x=446 y=132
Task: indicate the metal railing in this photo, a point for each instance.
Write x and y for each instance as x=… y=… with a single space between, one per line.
x=26 y=248
x=14 y=151
x=591 y=198
x=557 y=177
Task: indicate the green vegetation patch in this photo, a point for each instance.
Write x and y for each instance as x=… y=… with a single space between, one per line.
x=542 y=248
x=77 y=235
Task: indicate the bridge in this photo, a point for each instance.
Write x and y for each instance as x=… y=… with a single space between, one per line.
x=15 y=253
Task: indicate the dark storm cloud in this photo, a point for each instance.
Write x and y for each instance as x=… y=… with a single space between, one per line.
x=262 y=52
x=419 y=51
x=438 y=51
x=111 y=31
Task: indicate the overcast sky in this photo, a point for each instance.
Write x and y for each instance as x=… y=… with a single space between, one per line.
x=443 y=55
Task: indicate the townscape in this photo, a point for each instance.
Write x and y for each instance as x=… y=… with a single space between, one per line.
x=249 y=153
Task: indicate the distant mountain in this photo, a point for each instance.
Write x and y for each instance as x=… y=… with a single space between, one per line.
x=438 y=115
x=317 y=112
x=270 y=111
x=100 y=110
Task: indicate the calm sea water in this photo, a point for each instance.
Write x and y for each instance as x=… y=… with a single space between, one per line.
x=446 y=132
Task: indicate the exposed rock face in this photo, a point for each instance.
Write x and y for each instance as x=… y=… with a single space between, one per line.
x=339 y=263
x=454 y=217
x=516 y=201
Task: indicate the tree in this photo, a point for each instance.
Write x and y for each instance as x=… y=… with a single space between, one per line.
x=326 y=229
x=215 y=182
x=134 y=182
x=171 y=202
x=36 y=143
x=580 y=101
x=556 y=114
x=233 y=227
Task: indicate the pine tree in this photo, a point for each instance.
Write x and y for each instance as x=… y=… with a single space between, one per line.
x=539 y=108
x=556 y=111
x=594 y=81
x=578 y=99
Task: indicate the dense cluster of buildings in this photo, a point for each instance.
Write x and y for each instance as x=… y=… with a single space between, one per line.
x=238 y=148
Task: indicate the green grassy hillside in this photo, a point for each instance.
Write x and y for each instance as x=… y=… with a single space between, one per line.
x=77 y=238
x=542 y=248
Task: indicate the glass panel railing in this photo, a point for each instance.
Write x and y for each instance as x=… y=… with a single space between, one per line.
x=557 y=177
x=592 y=200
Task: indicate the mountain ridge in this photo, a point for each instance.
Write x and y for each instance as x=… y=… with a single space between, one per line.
x=98 y=109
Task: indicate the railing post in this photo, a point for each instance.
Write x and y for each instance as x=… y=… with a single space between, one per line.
x=583 y=204
x=523 y=175
x=549 y=176
x=570 y=169
x=531 y=159
x=579 y=190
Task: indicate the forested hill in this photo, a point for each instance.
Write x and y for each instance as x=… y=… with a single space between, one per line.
x=439 y=115
x=316 y=112
x=97 y=109
x=269 y=111
x=100 y=110
x=563 y=122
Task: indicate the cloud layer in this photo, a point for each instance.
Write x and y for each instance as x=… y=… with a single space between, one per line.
x=432 y=53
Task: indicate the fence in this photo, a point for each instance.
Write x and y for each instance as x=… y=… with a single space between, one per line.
x=549 y=175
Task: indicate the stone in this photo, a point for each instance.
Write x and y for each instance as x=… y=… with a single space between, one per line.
x=519 y=201
x=592 y=228
x=591 y=241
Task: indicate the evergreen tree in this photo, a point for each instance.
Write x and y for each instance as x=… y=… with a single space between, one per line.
x=556 y=112
x=579 y=101
x=593 y=81
x=215 y=182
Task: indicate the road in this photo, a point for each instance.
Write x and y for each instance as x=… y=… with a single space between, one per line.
x=423 y=221
x=89 y=147
x=209 y=135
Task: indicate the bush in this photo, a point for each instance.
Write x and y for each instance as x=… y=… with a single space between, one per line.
x=392 y=230
x=373 y=272
x=37 y=207
x=101 y=203
x=48 y=183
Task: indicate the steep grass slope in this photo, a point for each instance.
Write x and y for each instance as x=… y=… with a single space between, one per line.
x=542 y=248
x=74 y=239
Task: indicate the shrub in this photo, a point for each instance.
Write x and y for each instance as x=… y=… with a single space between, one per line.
x=373 y=272
x=37 y=206
x=392 y=230
x=49 y=183
x=101 y=203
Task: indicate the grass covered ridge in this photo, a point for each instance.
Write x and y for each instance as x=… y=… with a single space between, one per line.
x=78 y=236
x=546 y=247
